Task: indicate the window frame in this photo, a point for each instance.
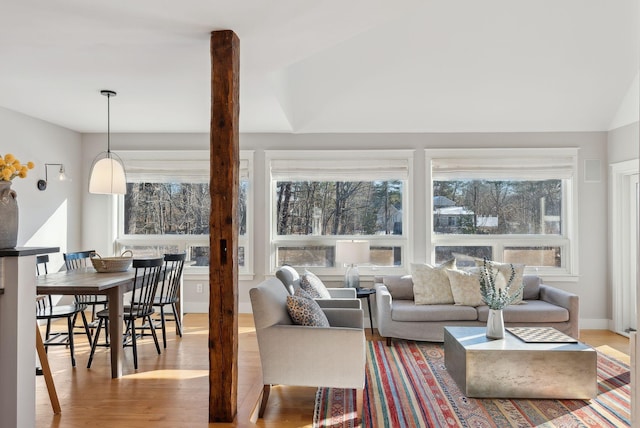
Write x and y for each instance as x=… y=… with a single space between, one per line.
x=302 y=159
x=197 y=162
x=530 y=163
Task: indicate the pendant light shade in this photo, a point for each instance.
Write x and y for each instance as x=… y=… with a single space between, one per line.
x=107 y=171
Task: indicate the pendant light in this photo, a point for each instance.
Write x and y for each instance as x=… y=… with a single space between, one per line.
x=107 y=170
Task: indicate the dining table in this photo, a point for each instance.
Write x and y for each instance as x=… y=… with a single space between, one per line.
x=88 y=281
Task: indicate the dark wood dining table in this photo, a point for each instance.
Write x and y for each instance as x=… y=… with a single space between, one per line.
x=89 y=281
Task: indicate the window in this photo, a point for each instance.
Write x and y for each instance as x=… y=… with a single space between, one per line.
x=167 y=206
x=319 y=197
x=509 y=205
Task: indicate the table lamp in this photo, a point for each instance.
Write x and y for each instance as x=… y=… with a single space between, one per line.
x=351 y=253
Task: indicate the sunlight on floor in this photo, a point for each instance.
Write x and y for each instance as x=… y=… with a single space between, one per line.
x=169 y=374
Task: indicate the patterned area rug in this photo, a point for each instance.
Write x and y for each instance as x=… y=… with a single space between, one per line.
x=407 y=385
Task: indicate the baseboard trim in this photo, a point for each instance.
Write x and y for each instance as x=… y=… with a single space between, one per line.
x=595 y=324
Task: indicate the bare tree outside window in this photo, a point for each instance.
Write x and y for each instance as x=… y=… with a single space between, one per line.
x=498 y=207
x=173 y=208
x=339 y=207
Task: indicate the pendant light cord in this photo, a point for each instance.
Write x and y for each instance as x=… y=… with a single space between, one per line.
x=108 y=123
x=108 y=93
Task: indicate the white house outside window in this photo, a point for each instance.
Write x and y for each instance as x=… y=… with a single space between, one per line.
x=167 y=206
x=319 y=197
x=509 y=205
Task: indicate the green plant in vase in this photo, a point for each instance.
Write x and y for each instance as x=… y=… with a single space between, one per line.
x=496 y=296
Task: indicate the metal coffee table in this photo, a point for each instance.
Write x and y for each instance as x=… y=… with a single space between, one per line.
x=512 y=368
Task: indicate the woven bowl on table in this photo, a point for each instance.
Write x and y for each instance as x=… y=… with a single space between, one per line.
x=112 y=264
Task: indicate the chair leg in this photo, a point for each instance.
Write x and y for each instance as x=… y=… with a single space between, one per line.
x=153 y=333
x=134 y=343
x=95 y=343
x=266 y=389
x=388 y=341
x=359 y=406
x=70 y=333
x=86 y=328
x=177 y=319
x=163 y=325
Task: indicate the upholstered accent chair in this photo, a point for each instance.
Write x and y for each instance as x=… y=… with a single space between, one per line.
x=300 y=355
x=340 y=297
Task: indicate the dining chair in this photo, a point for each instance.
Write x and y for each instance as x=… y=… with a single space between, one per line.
x=146 y=277
x=78 y=260
x=47 y=311
x=168 y=292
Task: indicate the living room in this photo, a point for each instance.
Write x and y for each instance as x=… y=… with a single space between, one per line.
x=564 y=76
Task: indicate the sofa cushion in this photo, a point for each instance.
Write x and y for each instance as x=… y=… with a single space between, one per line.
x=313 y=285
x=531 y=287
x=400 y=287
x=535 y=311
x=465 y=287
x=431 y=283
x=505 y=269
x=305 y=311
x=406 y=310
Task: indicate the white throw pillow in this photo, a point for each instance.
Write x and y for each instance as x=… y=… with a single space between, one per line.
x=465 y=287
x=431 y=283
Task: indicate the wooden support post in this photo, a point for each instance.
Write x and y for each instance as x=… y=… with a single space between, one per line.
x=223 y=226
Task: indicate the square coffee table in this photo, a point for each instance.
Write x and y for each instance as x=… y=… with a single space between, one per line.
x=512 y=368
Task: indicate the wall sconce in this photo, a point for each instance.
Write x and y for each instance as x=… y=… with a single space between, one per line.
x=42 y=184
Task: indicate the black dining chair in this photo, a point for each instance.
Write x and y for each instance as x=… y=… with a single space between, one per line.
x=146 y=277
x=168 y=293
x=47 y=311
x=78 y=260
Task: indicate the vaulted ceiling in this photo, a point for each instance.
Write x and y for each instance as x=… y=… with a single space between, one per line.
x=326 y=66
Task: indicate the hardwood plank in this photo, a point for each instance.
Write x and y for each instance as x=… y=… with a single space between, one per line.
x=223 y=227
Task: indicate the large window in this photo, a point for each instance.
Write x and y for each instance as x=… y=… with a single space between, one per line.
x=167 y=206
x=510 y=205
x=319 y=197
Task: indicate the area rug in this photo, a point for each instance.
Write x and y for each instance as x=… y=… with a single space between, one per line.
x=407 y=385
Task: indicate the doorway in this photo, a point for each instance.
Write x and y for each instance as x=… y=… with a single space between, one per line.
x=624 y=210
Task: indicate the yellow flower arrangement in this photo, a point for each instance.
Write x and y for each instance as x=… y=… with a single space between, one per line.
x=10 y=168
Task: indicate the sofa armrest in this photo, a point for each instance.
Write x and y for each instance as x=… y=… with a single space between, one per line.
x=564 y=299
x=339 y=303
x=383 y=305
x=342 y=293
x=344 y=317
x=558 y=297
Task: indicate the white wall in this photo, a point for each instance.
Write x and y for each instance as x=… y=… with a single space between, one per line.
x=592 y=284
x=52 y=217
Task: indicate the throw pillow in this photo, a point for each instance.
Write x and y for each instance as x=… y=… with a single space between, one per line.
x=505 y=269
x=313 y=285
x=307 y=312
x=465 y=288
x=431 y=283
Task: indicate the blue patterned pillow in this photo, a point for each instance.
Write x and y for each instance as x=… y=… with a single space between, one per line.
x=305 y=311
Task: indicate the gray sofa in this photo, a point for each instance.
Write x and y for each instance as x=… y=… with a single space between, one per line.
x=400 y=317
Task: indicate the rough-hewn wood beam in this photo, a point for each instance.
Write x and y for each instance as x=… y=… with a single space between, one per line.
x=223 y=266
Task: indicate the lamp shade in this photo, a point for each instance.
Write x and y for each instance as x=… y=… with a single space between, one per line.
x=352 y=251
x=107 y=177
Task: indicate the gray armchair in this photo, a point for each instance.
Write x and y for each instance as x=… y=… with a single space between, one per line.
x=306 y=356
x=342 y=297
